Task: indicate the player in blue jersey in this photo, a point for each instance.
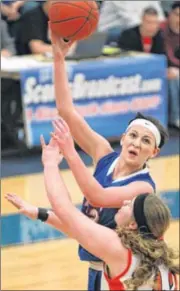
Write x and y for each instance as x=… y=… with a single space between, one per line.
x=128 y=170
x=141 y=142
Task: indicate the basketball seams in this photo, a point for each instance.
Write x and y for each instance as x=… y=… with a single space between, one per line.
x=83 y=23
x=87 y=20
x=71 y=4
x=90 y=25
x=89 y=17
x=79 y=29
x=92 y=8
x=67 y=19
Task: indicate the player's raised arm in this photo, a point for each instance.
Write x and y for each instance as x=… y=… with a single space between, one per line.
x=90 y=235
x=92 y=143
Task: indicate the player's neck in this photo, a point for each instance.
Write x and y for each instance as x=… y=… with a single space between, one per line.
x=122 y=169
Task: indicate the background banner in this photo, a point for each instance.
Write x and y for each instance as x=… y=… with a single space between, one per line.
x=107 y=93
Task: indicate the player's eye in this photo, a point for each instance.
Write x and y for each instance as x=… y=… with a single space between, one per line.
x=133 y=135
x=146 y=141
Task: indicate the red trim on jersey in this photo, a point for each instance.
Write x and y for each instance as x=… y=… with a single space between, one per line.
x=172 y=281
x=170 y=278
x=159 y=282
x=115 y=283
x=176 y=282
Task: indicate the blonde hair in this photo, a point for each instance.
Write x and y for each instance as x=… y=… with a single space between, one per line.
x=152 y=252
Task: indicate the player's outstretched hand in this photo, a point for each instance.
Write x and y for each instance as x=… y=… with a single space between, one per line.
x=60 y=47
x=24 y=207
x=50 y=153
x=63 y=137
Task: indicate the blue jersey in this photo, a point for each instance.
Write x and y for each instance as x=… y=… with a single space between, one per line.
x=105 y=216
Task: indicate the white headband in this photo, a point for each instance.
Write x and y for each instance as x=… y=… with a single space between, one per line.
x=149 y=125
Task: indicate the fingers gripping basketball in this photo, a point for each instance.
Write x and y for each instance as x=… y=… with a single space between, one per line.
x=73 y=20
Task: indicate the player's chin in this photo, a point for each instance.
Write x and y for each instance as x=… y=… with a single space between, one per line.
x=120 y=220
x=132 y=161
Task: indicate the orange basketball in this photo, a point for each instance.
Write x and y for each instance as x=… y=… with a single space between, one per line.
x=73 y=20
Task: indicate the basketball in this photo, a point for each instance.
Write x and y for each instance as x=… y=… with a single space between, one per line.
x=73 y=20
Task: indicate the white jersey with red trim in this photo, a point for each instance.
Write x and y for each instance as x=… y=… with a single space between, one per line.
x=165 y=279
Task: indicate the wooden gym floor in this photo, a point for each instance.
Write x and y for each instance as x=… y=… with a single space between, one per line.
x=54 y=264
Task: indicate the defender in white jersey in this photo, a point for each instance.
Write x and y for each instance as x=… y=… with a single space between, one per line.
x=135 y=255
x=164 y=279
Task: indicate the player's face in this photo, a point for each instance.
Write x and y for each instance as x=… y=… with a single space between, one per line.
x=138 y=145
x=124 y=216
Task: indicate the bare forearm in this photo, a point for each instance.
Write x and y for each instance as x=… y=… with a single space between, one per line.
x=53 y=182
x=52 y=220
x=58 y=197
x=95 y=193
x=55 y=222
x=55 y=187
x=62 y=90
x=82 y=133
x=91 y=189
x=80 y=130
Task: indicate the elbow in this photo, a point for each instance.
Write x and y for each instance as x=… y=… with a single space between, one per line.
x=96 y=203
x=93 y=203
x=64 y=111
x=98 y=200
x=58 y=211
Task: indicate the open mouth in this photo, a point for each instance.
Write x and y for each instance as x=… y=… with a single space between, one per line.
x=133 y=153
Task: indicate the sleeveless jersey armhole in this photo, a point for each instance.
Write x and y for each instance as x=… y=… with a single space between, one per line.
x=123 y=273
